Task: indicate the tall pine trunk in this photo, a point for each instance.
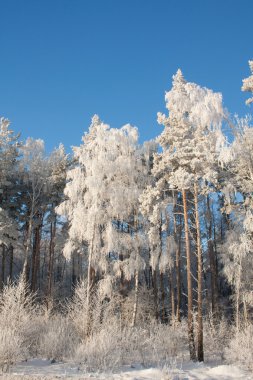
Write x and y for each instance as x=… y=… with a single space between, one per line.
x=192 y=349
x=162 y=297
x=136 y=275
x=51 y=259
x=178 y=238
x=36 y=258
x=172 y=296
x=200 y=347
x=212 y=261
x=155 y=290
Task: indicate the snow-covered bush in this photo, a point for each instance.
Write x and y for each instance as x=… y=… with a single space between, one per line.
x=167 y=342
x=17 y=311
x=216 y=337
x=77 y=310
x=58 y=340
x=102 y=350
x=145 y=310
x=110 y=341
x=114 y=345
x=100 y=309
x=12 y=348
x=240 y=348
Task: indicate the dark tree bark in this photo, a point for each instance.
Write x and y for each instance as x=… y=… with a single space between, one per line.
x=212 y=261
x=36 y=258
x=50 y=269
x=27 y=244
x=178 y=238
x=192 y=349
x=172 y=296
x=200 y=347
x=163 y=316
x=11 y=263
x=3 y=267
x=154 y=284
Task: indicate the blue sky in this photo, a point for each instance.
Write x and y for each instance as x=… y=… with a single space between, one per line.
x=64 y=60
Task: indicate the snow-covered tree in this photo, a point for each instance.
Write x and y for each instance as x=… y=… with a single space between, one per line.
x=102 y=203
x=58 y=163
x=190 y=143
x=42 y=179
x=238 y=245
x=248 y=83
x=34 y=173
x=8 y=163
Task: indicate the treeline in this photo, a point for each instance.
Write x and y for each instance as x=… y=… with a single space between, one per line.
x=164 y=227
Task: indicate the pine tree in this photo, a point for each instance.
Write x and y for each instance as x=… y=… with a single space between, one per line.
x=8 y=192
x=190 y=143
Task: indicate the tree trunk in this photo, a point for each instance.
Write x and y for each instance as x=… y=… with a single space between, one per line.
x=154 y=283
x=212 y=261
x=189 y=280
x=3 y=268
x=136 y=289
x=162 y=297
x=74 y=272
x=51 y=258
x=172 y=296
x=35 y=258
x=89 y=284
x=238 y=292
x=26 y=267
x=178 y=237
x=11 y=263
x=79 y=266
x=199 y=257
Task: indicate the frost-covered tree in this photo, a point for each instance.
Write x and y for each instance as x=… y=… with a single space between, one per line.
x=238 y=245
x=238 y=268
x=34 y=174
x=8 y=152
x=190 y=143
x=8 y=164
x=248 y=83
x=42 y=179
x=102 y=204
x=58 y=162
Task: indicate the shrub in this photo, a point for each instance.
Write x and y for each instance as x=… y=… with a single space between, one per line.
x=16 y=314
x=167 y=342
x=101 y=350
x=240 y=349
x=58 y=340
x=12 y=348
x=216 y=337
x=114 y=345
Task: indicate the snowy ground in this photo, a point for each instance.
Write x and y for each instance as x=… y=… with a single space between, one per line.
x=37 y=369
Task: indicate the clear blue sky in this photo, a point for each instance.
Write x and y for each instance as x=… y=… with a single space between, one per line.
x=64 y=60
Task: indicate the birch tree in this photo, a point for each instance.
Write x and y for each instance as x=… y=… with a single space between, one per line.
x=102 y=193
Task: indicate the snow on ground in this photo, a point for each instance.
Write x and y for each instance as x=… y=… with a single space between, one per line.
x=38 y=369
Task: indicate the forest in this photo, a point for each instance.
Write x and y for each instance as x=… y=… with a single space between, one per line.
x=122 y=251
